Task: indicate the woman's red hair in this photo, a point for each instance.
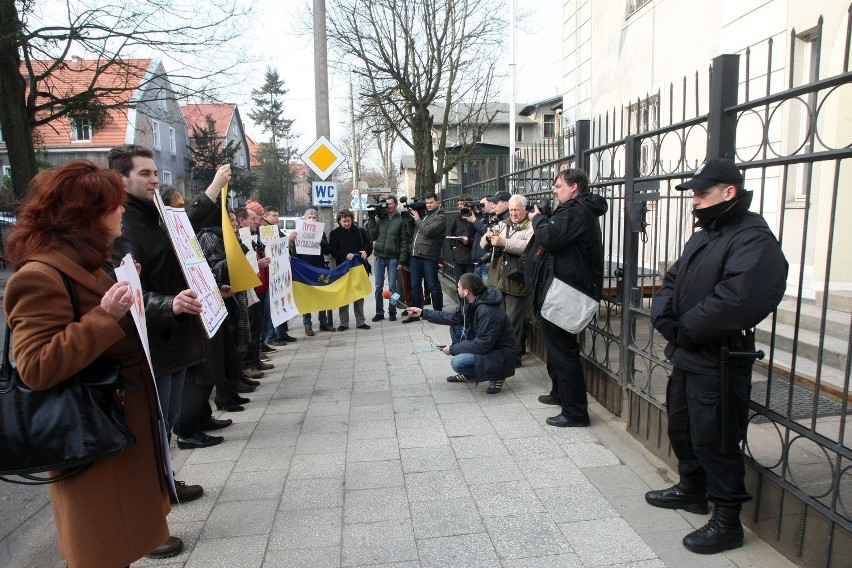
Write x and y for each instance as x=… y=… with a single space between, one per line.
x=67 y=204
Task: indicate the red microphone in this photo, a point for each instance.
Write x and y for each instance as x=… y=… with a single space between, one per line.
x=386 y=294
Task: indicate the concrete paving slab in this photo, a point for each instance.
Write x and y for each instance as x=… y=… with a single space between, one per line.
x=374 y=474
x=445 y=517
x=371 y=505
x=306 y=528
x=439 y=458
x=507 y=498
x=375 y=543
x=463 y=551
x=526 y=535
x=326 y=492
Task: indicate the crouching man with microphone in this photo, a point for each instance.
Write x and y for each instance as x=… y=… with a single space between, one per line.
x=483 y=343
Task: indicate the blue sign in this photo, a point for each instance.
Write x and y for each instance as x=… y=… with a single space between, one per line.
x=324 y=193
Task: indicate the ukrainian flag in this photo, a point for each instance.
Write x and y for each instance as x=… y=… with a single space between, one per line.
x=316 y=289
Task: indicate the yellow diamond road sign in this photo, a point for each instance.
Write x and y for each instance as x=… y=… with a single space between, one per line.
x=322 y=157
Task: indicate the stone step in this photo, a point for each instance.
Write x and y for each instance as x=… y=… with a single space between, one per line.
x=831 y=379
x=807 y=343
x=810 y=318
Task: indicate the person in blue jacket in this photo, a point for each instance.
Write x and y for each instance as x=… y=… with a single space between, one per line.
x=483 y=344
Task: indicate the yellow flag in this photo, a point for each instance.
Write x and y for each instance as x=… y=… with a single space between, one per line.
x=242 y=275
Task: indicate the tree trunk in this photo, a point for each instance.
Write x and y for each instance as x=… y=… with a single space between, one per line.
x=424 y=164
x=17 y=131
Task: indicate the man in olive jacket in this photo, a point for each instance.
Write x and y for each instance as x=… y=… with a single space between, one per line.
x=426 y=245
x=391 y=246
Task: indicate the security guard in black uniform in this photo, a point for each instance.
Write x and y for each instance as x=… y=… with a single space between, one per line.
x=731 y=275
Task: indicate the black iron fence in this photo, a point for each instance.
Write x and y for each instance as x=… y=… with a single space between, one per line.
x=794 y=145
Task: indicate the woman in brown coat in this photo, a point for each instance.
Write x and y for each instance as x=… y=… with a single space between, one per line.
x=114 y=512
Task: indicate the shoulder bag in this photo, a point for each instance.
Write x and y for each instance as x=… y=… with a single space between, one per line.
x=63 y=429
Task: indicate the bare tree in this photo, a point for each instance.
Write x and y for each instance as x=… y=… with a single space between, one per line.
x=419 y=58
x=39 y=37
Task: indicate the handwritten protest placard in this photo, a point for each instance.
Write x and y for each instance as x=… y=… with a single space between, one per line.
x=197 y=272
x=281 y=302
x=308 y=236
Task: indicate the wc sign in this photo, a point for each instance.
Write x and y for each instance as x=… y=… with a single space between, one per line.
x=324 y=193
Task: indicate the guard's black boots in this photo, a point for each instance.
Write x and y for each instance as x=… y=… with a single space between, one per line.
x=723 y=532
x=679 y=497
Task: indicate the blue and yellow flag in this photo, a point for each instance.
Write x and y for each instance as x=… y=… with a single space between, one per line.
x=316 y=289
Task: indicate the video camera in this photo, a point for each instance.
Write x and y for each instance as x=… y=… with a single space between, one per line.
x=378 y=209
x=470 y=208
x=545 y=205
x=418 y=204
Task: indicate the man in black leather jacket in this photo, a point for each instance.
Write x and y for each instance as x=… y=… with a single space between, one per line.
x=171 y=308
x=731 y=275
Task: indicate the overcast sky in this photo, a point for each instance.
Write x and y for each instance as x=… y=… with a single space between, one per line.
x=539 y=58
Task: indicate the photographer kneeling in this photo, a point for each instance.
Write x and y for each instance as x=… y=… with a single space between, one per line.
x=483 y=342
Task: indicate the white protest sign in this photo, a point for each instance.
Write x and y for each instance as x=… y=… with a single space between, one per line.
x=281 y=302
x=309 y=237
x=245 y=237
x=127 y=271
x=267 y=233
x=197 y=272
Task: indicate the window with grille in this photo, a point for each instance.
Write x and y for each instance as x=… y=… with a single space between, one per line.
x=549 y=126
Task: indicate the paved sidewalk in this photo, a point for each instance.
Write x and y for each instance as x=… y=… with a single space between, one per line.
x=357 y=452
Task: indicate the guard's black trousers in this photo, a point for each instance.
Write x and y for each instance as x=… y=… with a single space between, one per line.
x=695 y=426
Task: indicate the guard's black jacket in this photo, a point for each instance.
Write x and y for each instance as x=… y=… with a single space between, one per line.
x=731 y=275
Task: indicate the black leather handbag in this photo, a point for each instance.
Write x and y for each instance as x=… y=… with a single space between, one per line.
x=63 y=429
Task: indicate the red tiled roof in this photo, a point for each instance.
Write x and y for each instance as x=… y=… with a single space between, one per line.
x=117 y=83
x=253 y=147
x=195 y=115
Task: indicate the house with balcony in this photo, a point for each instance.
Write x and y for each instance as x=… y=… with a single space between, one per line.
x=135 y=104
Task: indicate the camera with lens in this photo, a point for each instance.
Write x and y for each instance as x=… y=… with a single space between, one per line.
x=418 y=204
x=378 y=209
x=545 y=205
x=470 y=208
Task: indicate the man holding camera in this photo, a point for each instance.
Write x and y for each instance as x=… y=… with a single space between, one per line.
x=482 y=256
x=730 y=276
x=510 y=239
x=463 y=234
x=389 y=232
x=568 y=246
x=430 y=230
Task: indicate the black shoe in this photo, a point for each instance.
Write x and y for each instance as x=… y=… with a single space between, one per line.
x=459 y=378
x=723 y=532
x=263 y=358
x=185 y=493
x=228 y=406
x=392 y=317
x=565 y=422
x=518 y=362
x=309 y=331
x=679 y=497
x=241 y=399
x=249 y=382
x=172 y=547
x=215 y=424
x=288 y=338
x=342 y=327
x=266 y=348
x=363 y=326
x=547 y=399
x=246 y=388
x=378 y=317
x=326 y=327
x=199 y=440
x=410 y=319
x=495 y=386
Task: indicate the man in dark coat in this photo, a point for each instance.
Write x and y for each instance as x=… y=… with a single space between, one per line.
x=567 y=246
x=464 y=234
x=731 y=275
x=171 y=308
x=347 y=241
x=483 y=342
x=427 y=241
